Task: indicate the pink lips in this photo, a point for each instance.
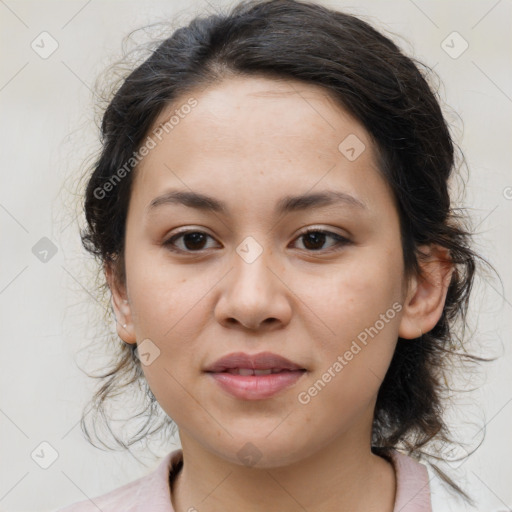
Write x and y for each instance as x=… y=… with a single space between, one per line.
x=273 y=374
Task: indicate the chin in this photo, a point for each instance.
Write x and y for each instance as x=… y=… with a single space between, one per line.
x=261 y=452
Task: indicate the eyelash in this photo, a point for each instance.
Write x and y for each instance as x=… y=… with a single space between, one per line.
x=341 y=241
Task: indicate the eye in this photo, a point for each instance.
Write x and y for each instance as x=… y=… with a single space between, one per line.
x=194 y=241
x=314 y=239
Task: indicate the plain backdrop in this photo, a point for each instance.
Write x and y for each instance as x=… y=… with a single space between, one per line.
x=52 y=53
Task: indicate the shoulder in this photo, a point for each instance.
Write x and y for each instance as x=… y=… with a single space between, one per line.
x=420 y=488
x=412 y=484
x=150 y=492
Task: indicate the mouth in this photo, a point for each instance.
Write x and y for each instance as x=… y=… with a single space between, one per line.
x=263 y=363
x=252 y=371
x=249 y=384
x=254 y=377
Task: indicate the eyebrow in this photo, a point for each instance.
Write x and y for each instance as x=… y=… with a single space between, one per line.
x=284 y=205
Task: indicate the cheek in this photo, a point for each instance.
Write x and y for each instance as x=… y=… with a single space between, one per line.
x=362 y=308
x=355 y=296
x=169 y=308
x=161 y=294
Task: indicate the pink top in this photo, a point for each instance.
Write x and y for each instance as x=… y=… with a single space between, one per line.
x=152 y=492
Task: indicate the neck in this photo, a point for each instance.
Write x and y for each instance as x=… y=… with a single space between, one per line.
x=342 y=476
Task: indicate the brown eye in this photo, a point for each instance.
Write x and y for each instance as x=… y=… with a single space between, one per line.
x=314 y=239
x=192 y=241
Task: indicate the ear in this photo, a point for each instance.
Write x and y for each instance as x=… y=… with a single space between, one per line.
x=121 y=306
x=424 y=303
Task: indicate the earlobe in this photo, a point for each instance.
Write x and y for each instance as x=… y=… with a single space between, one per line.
x=424 y=303
x=121 y=306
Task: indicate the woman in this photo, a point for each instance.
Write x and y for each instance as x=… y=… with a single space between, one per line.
x=271 y=211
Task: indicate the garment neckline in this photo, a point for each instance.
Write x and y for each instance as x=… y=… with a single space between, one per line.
x=408 y=473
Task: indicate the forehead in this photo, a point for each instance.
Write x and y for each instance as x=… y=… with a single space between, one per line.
x=242 y=108
x=261 y=135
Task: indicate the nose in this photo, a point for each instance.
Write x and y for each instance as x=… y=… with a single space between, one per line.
x=254 y=295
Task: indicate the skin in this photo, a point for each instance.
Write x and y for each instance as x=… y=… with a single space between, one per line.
x=249 y=142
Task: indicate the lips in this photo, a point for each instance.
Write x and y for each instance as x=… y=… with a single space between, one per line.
x=264 y=363
x=249 y=371
x=254 y=377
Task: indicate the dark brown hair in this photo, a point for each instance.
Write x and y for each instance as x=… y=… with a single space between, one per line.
x=385 y=90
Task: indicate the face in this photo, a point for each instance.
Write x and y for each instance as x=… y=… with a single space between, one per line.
x=320 y=282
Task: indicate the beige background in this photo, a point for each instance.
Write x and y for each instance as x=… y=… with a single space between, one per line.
x=47 y=131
